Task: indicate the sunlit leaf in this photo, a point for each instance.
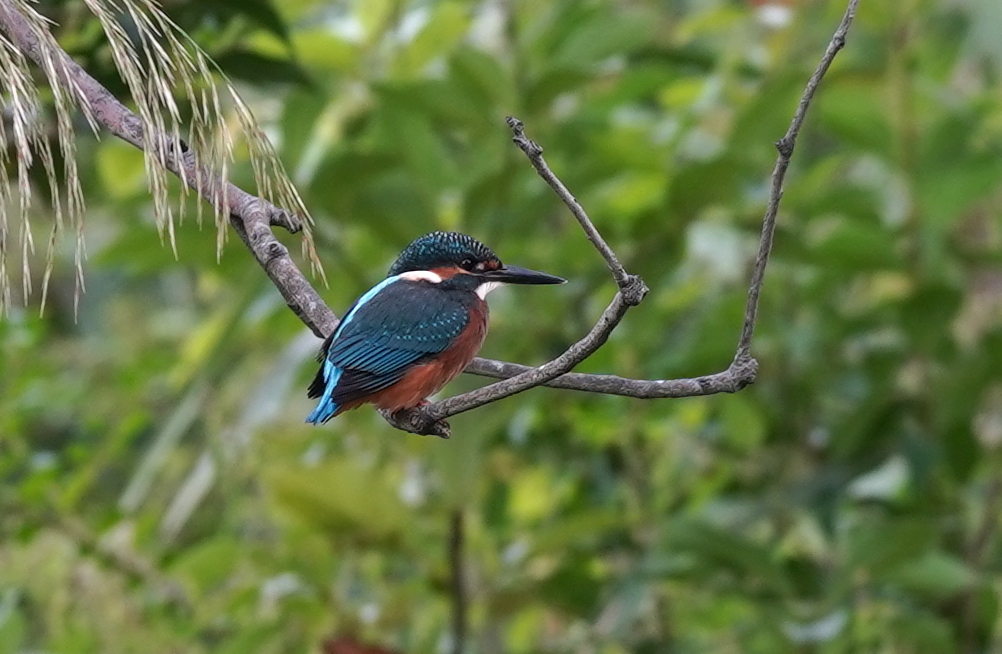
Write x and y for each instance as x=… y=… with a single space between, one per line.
x=342 y=498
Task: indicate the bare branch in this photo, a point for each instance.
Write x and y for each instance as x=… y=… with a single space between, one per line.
x=535 y=154
x=785 y=147
x=738 y=375
x=253 y=217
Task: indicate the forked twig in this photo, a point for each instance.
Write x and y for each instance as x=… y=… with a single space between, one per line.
x=785 y=147
x=535 y=154
x=430 y=419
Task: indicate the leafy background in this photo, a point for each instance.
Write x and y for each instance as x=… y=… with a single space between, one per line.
x=159 y=491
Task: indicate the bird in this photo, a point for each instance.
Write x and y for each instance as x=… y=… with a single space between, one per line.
x=412 y=333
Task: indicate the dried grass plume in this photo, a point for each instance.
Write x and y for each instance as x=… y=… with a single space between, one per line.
x=162 y=67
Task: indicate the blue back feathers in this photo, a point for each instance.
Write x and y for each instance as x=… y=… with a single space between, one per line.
x=394 y=326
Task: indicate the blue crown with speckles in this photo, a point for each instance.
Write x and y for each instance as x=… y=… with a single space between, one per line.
x=439 y=250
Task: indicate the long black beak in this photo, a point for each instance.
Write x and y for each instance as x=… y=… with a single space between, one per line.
x=516 y=275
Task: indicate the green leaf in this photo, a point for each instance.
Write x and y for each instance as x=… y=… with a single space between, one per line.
x=421 y=147
x=744 y=424
x=299 y=122
x=13 y=626
x=880 y=546
x=927 y=314
x=702 y=184
x=574 y=587
x=121 y=168
x=483 y=77
x=262 y=69
x=342 y=497
x=441 y=33
x=261 y=12
x=576 y=530
x=629 y=194
x=223 y=12
x=719 y=549
x=936 y=575
x=375 y=17
x=603 y=35
x=853 y=109
x=319 y=50
x=255 y=638
x=841 y=243
x=209 y=565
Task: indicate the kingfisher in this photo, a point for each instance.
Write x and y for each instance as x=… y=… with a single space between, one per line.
x=413 y=332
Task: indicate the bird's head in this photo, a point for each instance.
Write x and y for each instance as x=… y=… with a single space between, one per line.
x=450 y=255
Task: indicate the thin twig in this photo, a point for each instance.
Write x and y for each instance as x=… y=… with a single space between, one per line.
x=534 y=152
x=785 y=147
x=457 y=580
x=731 y=380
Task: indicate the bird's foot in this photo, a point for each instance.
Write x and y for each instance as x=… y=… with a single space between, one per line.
x=416 y=421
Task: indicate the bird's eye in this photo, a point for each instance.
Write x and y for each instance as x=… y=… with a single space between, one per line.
x=467 y=264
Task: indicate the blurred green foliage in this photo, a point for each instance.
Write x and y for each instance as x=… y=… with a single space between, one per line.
x=159 y=491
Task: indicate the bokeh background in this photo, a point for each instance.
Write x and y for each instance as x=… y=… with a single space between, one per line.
x=159 y=491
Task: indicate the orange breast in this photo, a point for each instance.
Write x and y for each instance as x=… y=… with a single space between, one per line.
x=429 y=378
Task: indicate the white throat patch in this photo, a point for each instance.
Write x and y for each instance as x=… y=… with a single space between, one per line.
x=418 y=275
x=487 y=287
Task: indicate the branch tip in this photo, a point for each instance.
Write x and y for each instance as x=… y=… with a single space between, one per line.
x=531 y=149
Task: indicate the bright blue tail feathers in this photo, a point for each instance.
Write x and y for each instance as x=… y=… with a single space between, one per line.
x=323 y=412
x=326 y=407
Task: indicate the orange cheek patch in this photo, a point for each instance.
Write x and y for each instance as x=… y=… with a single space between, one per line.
x=446 y=273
